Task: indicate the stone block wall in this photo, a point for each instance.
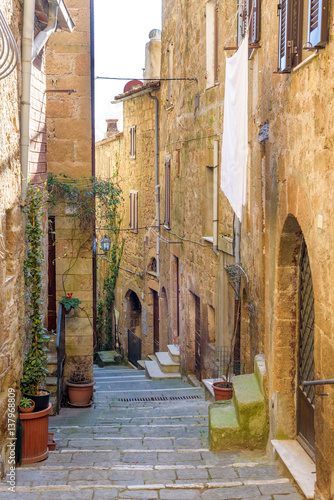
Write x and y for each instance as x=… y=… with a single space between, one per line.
x=11 y=237
x=69 y=133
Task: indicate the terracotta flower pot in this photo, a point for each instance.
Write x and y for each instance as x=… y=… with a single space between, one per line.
x=51 y=442
x=35 y=435
x=223 y=391
x=80 y=394
x=28 y=410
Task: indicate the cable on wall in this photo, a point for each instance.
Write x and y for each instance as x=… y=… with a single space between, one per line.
x=9 y=53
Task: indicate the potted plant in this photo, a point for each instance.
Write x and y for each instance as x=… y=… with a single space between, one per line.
x=68 y=302
x=80 y=383
x=35 y=424
x=26 y=405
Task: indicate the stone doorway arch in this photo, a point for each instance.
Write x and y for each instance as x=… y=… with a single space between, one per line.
x=293 y=342
x=132 y=312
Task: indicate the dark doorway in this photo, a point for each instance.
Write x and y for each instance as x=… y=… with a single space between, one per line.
x=305 y=395
x=52 y=303
x=155 y=320
x=198 y=364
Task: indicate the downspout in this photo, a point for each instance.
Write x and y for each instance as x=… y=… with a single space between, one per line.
x=30 y=50
x=157 y=185
x=27 y=47
x=215 y=196
x=92 y=90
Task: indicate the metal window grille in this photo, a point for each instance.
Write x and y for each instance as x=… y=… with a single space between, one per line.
x=8 y=49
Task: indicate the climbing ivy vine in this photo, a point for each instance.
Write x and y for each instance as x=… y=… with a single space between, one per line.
x=88 y=200
x=34 y=366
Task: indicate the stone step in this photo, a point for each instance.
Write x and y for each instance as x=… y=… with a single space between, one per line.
x=174 y=352
x=298 y=463
x=154 y=372
x=141 y=364
x=152 y=357
x=223 y=426
x=167 y=365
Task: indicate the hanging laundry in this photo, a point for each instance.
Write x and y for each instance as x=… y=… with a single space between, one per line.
x=235 y=132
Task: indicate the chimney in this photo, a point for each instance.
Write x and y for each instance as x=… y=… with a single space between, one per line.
x=153 y=55
x=111 y=128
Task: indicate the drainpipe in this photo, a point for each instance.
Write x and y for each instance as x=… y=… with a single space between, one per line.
x=237 y=240
x=157 y=185
x=27 y=47
x=215 y=196
x=44 y=35
x=30 y=49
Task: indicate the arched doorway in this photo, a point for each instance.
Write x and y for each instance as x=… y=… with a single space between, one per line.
x=293 y=348
x=132 y=310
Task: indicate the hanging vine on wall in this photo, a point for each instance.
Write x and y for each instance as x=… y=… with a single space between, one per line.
x=85 y=200
x=34 y=366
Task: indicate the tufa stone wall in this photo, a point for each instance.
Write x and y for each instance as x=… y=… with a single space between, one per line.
x=11 y=237
x=69 y=152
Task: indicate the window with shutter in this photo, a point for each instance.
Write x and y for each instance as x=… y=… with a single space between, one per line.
x=134 y=211
x=133 y=142
x=167 y=194
x=254 y=11
x=285 y=36
x=317 y=23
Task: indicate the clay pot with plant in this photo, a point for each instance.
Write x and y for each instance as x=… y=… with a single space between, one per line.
x=80 y=383
x=35 y=424
x=69 y=302
x=223 y=390
x=26 y=405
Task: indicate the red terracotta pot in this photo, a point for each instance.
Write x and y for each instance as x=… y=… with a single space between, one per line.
x=223 y=391
x=80 y=394
x=28 y=410
x=35 y=435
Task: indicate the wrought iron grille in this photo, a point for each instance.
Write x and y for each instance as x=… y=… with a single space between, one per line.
x=8 y=49
x=134 y=348
x=306 y=323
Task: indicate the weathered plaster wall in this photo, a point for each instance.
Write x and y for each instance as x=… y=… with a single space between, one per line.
x=69 y=152
x=11 y=236
x=188 y=133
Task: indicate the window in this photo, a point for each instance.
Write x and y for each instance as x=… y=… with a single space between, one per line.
x=212 y=43
x=250 y=15
x=302 y=27
x=133 y=142
x=167 y=193
x=208 y=202
x=134 y=211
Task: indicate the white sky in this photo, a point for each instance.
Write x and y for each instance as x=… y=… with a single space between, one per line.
x=121 y=32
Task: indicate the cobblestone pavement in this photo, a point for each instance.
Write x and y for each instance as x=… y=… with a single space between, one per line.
x=144 y=450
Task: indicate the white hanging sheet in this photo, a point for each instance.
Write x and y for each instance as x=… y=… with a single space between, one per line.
x=235 y=133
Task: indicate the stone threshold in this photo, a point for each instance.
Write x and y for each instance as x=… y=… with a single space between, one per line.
x=229 y=484
x=299 y=464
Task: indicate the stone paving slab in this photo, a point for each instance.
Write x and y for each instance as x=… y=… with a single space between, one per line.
x=144 y=450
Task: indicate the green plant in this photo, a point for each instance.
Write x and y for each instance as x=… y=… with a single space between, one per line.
x=69 y=302
x=26 y=403
x=34 y=366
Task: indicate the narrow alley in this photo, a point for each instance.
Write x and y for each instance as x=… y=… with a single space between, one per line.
x=144 y=439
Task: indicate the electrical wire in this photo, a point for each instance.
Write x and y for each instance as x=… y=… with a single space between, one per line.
x=148 y=79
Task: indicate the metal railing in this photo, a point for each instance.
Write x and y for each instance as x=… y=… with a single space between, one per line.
x=224 y=359
x=60 y=346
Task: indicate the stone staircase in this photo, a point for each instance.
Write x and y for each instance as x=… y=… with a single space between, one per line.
x=241 y=422
x=163 y=365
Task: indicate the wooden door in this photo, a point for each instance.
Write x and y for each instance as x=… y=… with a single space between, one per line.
x=305 y=395
x=156 y=320
x=198 y=364
x=52 y=304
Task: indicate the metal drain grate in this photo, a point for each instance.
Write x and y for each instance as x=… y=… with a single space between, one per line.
x=160 y=398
